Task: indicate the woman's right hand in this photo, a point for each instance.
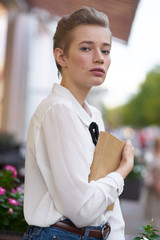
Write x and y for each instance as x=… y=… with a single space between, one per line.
x=127 y=161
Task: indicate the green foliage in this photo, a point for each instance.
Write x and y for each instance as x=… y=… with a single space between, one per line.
x=143 y=108
x=11 y=201
x=114 y=117
x=148 y=232
x=7 y=180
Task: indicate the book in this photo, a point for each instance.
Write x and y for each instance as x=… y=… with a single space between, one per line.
x=107 y=157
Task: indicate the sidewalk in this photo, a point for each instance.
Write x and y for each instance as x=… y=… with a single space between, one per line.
x=133 y=213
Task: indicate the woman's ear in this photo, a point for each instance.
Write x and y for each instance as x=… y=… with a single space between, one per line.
x=59 y=57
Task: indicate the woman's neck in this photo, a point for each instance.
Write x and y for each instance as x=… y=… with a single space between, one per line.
x=79 y=93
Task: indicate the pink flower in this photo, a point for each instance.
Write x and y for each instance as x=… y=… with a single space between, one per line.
x=12 y=169
x=10 y=211
x=13 y=201
x=13 y=190
x=2 y=191
x=19 y=189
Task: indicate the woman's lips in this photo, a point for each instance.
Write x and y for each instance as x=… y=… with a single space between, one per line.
x=97 y=71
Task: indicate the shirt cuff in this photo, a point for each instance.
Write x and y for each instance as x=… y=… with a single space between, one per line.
x=119 y=181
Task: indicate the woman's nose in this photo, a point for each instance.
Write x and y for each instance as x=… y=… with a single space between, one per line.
x=98 y=57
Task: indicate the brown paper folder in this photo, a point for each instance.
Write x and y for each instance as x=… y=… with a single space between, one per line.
x=107 y=157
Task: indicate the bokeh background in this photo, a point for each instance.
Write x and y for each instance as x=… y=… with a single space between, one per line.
x=129 y=98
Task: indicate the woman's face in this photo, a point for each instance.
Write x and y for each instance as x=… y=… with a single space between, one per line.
x=88 y=57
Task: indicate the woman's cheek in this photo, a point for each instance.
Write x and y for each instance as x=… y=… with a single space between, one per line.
x=108 y=62
x=82 y=60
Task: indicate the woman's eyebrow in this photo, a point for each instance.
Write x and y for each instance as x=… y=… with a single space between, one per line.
x=91 y=42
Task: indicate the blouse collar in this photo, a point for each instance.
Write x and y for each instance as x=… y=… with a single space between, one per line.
x=85 y=116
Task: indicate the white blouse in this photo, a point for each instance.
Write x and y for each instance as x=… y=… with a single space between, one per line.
x=58 y=158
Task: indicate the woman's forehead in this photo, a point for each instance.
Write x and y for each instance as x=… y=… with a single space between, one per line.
x=91 y=33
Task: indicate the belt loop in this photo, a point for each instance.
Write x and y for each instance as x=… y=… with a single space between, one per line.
x=86 y=233
x=30 y=229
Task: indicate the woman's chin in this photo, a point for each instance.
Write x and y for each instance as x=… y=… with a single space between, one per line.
x=98 y=82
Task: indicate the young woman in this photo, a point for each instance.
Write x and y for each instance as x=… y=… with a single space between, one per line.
x=59 y=201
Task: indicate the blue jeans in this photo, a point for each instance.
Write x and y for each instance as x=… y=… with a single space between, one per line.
x=50 y=233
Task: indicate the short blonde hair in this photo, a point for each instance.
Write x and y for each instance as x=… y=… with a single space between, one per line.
x=83 y=16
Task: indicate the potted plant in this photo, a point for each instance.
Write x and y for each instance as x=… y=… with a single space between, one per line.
x=6 y=142
x=11 y=203
x=148 y=232
x=134 y=181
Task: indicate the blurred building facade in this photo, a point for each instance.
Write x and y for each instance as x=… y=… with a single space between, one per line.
x=28 y=70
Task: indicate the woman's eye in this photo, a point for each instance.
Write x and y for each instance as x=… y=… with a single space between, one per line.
x=85 y=49
x=106 y=52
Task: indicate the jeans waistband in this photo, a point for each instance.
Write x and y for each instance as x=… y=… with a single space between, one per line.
x=102 y=231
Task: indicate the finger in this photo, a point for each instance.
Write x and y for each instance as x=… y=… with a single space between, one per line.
x=128 y=141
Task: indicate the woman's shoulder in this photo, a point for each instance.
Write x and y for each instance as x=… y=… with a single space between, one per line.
x=51 y=103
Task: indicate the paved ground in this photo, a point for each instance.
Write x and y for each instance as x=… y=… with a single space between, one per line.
x=133 y=213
